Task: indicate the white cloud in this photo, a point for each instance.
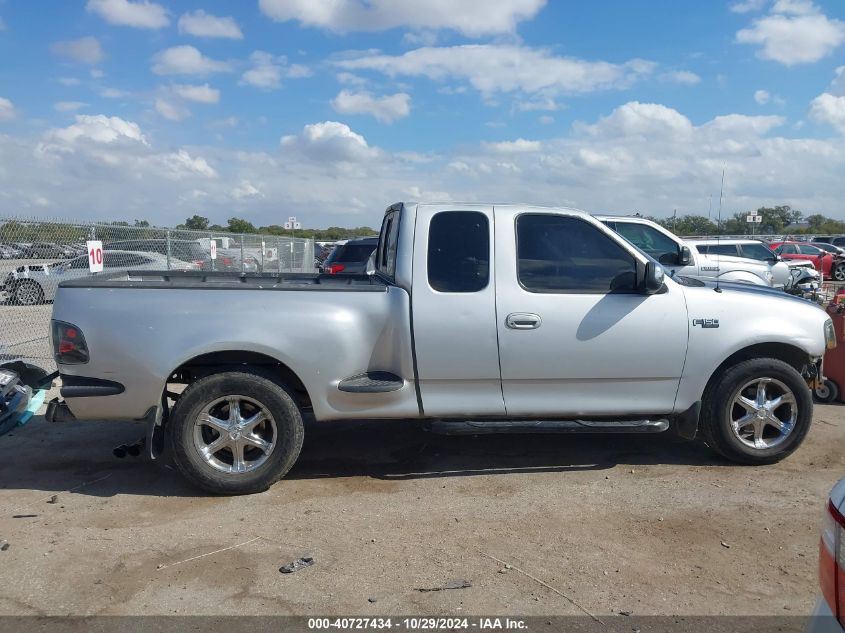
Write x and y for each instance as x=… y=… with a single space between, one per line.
x=492 y=68
x=98 y=129
x=330 y=141
x=641 y=119
x=181 y=163
x=794 y=32
x=201 y=24
x=534 y=105
x=546 y=119
x=385 y=109
x=747 y=6
x=246 y=189
x=519 y=146
x=140 y=14
x=2 y=25
x=830 y=109
x=684 y=77
x=469 y=17
x=96 y=73
x=69 y=81
x=7 y=110
x=186 y=60
x=268 y=70
x=113 y=93
x=86 y=50
x=68 y=106
x=171 y=111
x=762 y=96
x=198 y=93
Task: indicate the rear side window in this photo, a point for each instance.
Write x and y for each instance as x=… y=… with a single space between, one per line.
x=385 y=261
x=567 y=255
x=810 y=250
x=722 y=249
x=459 y=251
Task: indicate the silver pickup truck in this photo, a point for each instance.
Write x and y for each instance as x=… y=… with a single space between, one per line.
x=480 y=317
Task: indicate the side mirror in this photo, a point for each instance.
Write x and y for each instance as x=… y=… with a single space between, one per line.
x=653 y=278
x=685 y=256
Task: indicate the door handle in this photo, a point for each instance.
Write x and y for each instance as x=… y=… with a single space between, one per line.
x=523 y=321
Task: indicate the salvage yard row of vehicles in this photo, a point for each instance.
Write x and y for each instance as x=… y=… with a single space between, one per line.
x=476 y=318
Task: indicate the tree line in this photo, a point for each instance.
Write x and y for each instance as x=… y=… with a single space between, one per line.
x=238 y=225
x=775 y=221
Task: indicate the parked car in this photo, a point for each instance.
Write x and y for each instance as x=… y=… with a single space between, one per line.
x=181 y=250
x=829 y=614
x=551 y=322
x=826 y=263
x=48 y=250
x=9 y=252
x=350 y=256
x=679 y=258
x=830 y=248
x=836 y=240
x=36 y=284
x=716 y=248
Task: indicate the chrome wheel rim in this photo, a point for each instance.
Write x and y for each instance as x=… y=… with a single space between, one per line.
x=823 y=392
x=839 y=273
x=27 y=294
x=235 y=434
x=763 y=413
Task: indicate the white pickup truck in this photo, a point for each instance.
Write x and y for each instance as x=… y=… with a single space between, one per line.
x=680 y=258
x=481 y=317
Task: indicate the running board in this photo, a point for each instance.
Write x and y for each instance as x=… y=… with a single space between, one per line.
x=484 y=427
x=371 y=382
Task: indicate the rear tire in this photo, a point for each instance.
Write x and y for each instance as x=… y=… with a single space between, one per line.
x=737 y=428
x=839 y=272
x=827 y=393
x=235 y=432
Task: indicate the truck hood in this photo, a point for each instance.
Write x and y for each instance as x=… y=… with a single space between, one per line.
x=735 y=287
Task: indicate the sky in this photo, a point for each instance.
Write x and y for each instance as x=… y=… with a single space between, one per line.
x=330 y=110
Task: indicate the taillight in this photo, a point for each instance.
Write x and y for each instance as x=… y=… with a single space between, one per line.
x=228 y=261
x=69 y=347
x=832 y=561
x=334 y=269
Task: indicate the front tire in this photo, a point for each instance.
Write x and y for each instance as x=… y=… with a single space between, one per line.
x=29 y=293
x=758 y=412
x=839 y=272
x=235 y=432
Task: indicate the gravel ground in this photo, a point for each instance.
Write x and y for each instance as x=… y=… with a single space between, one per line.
x=635 y=524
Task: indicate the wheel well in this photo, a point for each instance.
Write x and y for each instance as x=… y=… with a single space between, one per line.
x=215 y=362
x=789 y=354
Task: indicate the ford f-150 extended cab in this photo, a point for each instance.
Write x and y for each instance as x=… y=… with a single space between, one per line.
x=480 y=317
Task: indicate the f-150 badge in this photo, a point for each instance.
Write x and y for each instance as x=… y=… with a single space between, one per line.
x=706 y=323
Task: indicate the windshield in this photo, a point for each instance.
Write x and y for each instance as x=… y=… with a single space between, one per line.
x=649 y=240
x=351 y=253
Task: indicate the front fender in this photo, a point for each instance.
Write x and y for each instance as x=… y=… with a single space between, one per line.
x=743 y=276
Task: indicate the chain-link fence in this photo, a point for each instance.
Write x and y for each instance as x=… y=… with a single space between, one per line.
x=35 y=256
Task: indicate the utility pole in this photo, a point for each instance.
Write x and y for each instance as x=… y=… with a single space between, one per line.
x=674 y=221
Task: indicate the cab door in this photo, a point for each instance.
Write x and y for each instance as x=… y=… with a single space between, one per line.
x=576 y=338
x=454 y=312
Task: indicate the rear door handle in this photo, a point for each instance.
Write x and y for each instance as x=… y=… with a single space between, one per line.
x=523 y=321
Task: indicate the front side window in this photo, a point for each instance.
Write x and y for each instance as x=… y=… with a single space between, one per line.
x=568 y=255
x=650 y=240
x=756 y=251
x=459 y=251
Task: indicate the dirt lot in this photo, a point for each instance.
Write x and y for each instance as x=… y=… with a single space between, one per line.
x=637 y=524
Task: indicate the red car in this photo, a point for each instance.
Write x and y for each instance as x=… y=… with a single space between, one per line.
x=822 y=260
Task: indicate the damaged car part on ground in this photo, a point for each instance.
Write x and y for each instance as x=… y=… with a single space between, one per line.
x=591 y=336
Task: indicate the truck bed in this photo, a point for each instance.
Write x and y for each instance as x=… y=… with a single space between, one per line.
x=205 y=280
